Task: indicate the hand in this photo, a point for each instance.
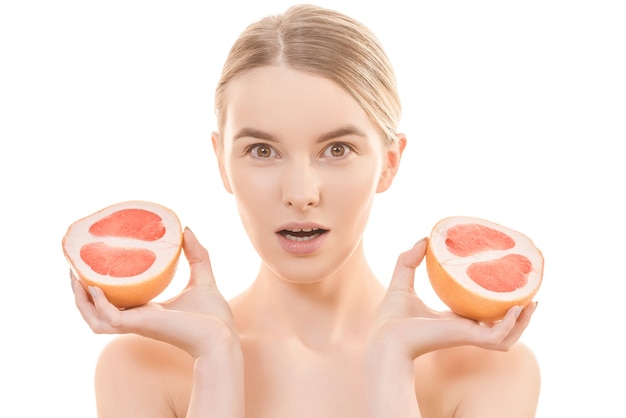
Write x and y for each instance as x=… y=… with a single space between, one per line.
x=196 y=320
x=412 y=328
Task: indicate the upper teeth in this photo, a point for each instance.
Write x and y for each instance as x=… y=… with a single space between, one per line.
x=302 y=230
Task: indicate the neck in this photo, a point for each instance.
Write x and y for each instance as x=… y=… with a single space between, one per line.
x=317 y=313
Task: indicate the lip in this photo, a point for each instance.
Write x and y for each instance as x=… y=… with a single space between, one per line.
x=306 y=246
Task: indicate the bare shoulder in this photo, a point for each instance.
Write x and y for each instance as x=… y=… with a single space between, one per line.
x=501 y=383
x=141 y=377
x=474 y=382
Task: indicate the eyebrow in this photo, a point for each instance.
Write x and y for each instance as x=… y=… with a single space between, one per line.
x=335 y=133
x=338 y=133
x=255 y=133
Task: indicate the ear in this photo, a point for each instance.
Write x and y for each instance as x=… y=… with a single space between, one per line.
x=218 y=147
x=393 y=154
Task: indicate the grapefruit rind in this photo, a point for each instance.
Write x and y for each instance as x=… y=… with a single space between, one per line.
x=449 y=280
x=126 y=292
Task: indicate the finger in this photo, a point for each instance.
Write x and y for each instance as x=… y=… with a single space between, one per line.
x=81 y=298
x=494 y=335
x=501 y=335
x=85 y=304
x=109 y=319
x=404 y=273
x=198 y=258
x=519 y=327
x=454 y=332
x=109 y=316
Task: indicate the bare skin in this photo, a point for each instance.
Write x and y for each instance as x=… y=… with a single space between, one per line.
x=302 y=374
x=316 y=334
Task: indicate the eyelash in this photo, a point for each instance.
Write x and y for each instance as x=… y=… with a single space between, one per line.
x=347 y=147
x=250 y=150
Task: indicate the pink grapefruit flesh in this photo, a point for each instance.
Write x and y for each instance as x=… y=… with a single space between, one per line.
x=131 y=223
x=130 y=250
x=480 y=269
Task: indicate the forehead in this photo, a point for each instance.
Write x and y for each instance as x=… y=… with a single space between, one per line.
x=285 y=101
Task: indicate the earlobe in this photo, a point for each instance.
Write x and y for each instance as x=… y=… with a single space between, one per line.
x=218 y=148
x=392 y=161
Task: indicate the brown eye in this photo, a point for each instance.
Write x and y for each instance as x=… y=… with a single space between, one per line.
x=262 y=151
x=337 y=150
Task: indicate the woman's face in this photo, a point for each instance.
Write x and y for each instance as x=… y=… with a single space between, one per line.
x=303 y=161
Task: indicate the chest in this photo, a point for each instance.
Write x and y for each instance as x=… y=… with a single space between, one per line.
x=288 y=380
x=284 y=380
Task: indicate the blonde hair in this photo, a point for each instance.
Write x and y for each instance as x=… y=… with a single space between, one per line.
x=325 y=43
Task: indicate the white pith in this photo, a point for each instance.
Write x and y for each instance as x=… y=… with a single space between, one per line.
x=456 y=266
x=166 y=248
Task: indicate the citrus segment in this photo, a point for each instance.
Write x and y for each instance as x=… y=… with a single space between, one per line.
x=130 y=250
x=116 y=261
x=502 y=275
x=471 y=238
x=480 y=269
x=131 y=223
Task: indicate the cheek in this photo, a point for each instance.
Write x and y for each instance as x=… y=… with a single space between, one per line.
x=352 y=192
x=255 y=191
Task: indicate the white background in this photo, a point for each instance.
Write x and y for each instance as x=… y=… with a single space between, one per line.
x=515 y=112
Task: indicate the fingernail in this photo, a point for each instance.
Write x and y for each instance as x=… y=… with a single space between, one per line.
x=92 y=291
x=518 y=310
x=73 y=283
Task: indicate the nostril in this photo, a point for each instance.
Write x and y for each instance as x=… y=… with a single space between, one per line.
x=300 y=199
x=302 y=204
x=300 y=190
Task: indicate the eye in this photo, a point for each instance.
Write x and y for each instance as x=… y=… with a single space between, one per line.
x=337 y=150
x=261 y=151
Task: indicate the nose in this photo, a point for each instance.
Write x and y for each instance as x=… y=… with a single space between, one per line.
x=300 y=188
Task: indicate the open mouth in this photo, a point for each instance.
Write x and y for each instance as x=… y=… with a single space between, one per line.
x=305 y=234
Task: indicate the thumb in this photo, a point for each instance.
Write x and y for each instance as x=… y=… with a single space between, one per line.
x=404 y=274
x=198 y=258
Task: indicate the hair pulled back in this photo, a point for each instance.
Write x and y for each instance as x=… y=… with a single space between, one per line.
x=325 y=43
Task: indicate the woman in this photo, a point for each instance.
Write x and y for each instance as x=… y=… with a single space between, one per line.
x=307 y=112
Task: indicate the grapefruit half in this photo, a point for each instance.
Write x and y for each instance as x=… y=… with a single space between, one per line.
x=480 y=269
x=130 y=250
